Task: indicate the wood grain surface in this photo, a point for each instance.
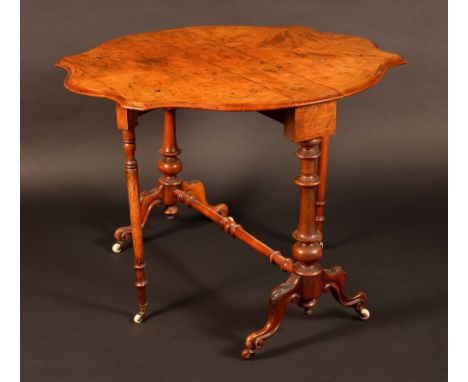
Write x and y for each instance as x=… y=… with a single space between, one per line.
x=232 y=68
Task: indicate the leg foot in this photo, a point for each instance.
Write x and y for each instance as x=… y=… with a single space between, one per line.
x=248 y=354
x=123 y=234
x=148 y=199
x=309 y=307
x=335 y=281
x=171 y=212
x=364 y=314
x=138 y=318
x=280 y=297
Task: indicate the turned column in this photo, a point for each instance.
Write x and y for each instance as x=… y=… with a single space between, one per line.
x=127 y=121
x=169 y=165
x=307 y=251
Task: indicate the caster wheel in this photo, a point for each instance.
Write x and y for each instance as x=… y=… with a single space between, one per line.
x=248 y=354
x=138 y=318
x=308 y=312
x=364 y=314
x=321 y=244
x=171 y=212
x=117 y=248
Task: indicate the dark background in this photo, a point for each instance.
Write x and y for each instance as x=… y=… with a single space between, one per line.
x=386 y=211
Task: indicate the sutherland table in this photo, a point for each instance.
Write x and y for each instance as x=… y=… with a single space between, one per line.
x=294 y=75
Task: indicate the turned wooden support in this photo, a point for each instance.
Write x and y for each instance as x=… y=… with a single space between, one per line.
x=308 y=280
x=169 y=165
x=307 y=249
x=228 y=225
x=127 y=121
x=302 y=124
x=322 y=172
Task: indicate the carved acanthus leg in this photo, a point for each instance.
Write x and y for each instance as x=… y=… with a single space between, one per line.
x=197 y=189
x=148 y=200
x=335 y=279
x=322 y=173
x=169 y=165
x=127 y=121
x=280 y=297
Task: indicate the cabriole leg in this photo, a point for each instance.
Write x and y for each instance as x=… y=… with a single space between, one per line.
x=335 y=282
x=280 y=297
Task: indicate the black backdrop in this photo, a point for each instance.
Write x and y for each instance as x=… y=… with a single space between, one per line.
x=386 y=211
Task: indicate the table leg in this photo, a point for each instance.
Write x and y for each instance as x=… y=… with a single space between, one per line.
x=163 y=194
x=308 y=279
x=322 y=172
x=169 y=165
x=131 y=170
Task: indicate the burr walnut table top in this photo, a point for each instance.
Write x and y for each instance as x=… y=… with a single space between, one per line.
x=228 y=68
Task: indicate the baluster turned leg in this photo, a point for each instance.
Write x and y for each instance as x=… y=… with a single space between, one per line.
x=127 y=121
x=169 y=164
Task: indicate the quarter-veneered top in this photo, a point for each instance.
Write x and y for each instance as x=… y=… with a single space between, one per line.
x=228 y=68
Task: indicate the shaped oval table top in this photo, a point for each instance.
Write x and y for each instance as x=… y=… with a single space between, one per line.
x=228 y=68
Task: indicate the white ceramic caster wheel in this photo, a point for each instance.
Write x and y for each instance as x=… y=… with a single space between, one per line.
x=117 y=248
x=138 y=318
x=364 y=314
x=321 y=244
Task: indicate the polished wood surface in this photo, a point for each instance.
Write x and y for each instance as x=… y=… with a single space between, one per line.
x=228 y=68
x=294 y=75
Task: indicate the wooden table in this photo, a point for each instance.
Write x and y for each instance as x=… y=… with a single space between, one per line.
x=294 y=75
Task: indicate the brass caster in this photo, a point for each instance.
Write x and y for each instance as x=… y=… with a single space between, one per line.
x=364 y=314
x=117 y=248
x=248 y=354
x=138 y=318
